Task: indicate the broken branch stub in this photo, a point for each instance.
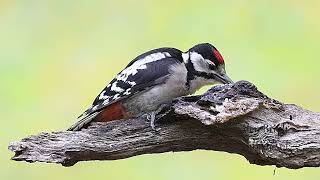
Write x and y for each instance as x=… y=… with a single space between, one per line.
x=232 y=118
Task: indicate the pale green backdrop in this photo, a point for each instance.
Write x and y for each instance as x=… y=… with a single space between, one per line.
x=56 y=56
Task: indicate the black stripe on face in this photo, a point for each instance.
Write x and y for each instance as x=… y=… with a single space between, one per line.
x=212 y=76
x=204 y=75
x=190 y=73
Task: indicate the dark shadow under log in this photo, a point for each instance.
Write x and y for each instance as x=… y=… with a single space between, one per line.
x=232 y=118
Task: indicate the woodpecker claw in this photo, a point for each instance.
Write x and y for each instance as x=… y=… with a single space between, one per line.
x=152 y=118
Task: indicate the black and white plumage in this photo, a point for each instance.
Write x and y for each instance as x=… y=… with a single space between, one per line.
x=153 y=79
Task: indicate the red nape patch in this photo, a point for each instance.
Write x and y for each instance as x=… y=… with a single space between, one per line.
x=218 y=56
x=113 y=112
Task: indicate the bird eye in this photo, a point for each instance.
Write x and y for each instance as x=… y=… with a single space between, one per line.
x=211 y=64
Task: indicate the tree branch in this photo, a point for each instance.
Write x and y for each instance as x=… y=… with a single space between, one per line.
x=232 y=118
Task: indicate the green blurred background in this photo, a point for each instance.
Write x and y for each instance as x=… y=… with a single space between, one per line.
x=56 y=56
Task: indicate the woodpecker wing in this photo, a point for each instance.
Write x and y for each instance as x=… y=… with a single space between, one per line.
x=141 y=74
x=154 y=74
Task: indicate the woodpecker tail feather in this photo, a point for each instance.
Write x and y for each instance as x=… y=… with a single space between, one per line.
x=84 y=121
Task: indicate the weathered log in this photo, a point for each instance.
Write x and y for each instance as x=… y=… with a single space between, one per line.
x=232 y=118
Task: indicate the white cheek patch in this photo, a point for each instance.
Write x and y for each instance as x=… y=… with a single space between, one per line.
x=198 y=62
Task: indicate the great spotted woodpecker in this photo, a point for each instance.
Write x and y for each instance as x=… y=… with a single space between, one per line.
x=153 y=79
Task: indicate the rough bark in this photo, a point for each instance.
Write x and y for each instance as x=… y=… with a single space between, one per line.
x=232 y=118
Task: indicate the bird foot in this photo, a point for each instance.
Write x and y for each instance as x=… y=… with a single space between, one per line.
x=152 y=117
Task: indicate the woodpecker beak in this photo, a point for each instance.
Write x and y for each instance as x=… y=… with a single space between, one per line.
x=225 y=79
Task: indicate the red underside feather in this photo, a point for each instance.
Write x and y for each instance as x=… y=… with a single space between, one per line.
x=113 y=112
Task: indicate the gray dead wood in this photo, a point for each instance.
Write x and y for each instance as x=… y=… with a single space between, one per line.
x=232 y=118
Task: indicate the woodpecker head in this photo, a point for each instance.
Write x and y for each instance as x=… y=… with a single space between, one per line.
x=206 y=64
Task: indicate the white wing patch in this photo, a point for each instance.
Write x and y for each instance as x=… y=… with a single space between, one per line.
x=102 y=96
x=129 y=71
x=115 y=97
x=131 y=83
x=127 y=91
x=115 y=88
x=95 y=107
x=167 y=54
x=105 y=102
x=141 y=64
